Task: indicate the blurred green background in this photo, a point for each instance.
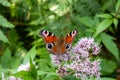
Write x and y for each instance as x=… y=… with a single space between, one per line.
x=21 y=21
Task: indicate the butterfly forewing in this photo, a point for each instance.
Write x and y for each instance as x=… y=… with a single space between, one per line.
x=69 y=38
x=48 y=36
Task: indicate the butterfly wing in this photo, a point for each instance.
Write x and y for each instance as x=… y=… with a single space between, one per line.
x=48 y=36
x=69 y=38
x=56 y=45
x=50 y=40
x=68 y=41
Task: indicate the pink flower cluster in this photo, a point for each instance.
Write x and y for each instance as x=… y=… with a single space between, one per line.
x=86 y=47
x=79 y=60
x=56 y=59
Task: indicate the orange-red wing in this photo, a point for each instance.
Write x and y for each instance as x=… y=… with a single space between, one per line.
x=50 y=39
x=55 y=50
x=63 y=49
x=48 y=36
x=69 y=38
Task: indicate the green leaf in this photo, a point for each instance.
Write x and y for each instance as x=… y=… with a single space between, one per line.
x=107 y=78
x=109 y=68
x=110 y=45
x=31 y=54
x=37 y=22
x=3 y=37
x=117 y=8
x=48 y=75
x=5 y=23
x=15 y=62
x=42 y=73
x=103 y=26
x=6 y=58
x=69 y=77
x=87 y=21
x=28 y=75
x=5 y=3
x=104 y=16
x=115 y=22
x=25 y=75
x=51 y=76
x=44 y=65
x=33 y=70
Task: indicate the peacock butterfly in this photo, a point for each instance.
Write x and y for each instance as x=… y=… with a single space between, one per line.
x=55 y=45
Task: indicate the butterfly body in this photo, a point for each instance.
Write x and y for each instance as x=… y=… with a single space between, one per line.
x=56 y=45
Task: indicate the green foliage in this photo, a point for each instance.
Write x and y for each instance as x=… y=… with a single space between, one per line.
x=28 y=75
x=48 y=75
x=21 y=21
x=7 y=61
x=5 y=23
x=87 y=21
x=33 y=70
x=24 y=75
x=106 y=78
x=7 y=56
x=110 y=45
x=69 y=78
x=3 y=37
x=86 y=7
x=30 y=54
x=103 y=26
x=117 y=7
x=5 y=3
x=107 y=66
x=107 y=16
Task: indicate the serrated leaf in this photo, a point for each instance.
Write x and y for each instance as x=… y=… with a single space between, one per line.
x=115 y=22
x=103 y=26
x=3 y=37
x=4 y=22
x=110 y=45
x=104 y=16
x=31 y=54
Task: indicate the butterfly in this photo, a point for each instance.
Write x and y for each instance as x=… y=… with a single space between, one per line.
x=56 y=45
